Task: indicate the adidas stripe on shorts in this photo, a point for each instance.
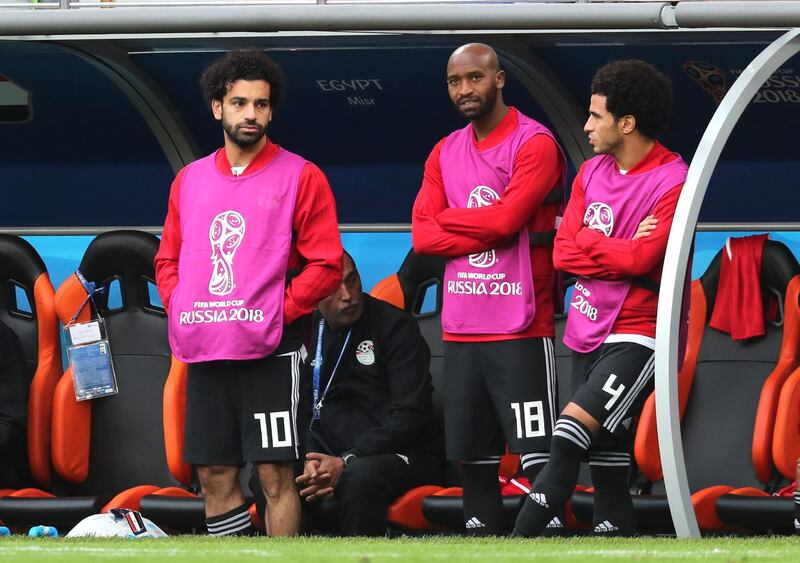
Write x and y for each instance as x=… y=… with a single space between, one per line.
x=613 y=382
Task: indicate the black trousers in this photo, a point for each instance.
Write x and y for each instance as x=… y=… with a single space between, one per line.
x=366 y=489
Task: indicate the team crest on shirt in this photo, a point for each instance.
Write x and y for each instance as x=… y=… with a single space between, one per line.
x=599 y=217
x=365 y=353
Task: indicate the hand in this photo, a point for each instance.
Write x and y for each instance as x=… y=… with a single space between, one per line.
x=647 y=225
x=313 y=493
x=310 y=472
x=321 y=473
x=327 y=467
x=313 y=479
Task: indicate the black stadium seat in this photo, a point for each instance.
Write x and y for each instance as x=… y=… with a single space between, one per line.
x=417 y=276
x=112 y=444
x=758 y=510
x=26 y=307
x=728 y=396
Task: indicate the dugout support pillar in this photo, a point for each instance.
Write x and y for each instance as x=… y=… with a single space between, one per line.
x=676 y=263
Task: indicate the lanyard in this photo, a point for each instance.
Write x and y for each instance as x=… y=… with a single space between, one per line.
x=318 y=368
x=91 y=289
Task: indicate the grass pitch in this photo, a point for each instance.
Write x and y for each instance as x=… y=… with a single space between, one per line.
x=427 y=550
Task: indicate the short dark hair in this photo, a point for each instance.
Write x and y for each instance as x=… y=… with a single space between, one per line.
x=634 y=87
x=247 y=64
x=350 y=256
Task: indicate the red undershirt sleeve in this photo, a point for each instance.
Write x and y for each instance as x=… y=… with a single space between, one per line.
x=428 y=237
x=567 y=256
x=318 y=243
x=169 y=249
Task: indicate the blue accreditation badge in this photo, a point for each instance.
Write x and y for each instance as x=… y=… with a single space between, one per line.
x=92 y=371
x=90 y=359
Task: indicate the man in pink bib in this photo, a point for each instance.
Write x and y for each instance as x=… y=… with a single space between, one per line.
x=250 y=246
x=613 y=238
x=488 y=204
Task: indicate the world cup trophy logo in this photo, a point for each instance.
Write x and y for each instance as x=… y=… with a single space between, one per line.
x=482 y=196
x=709 y=77
x=225 y=235
x=599 y=217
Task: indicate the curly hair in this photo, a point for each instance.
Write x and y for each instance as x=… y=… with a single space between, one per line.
x=247 y=64
x=634 y=87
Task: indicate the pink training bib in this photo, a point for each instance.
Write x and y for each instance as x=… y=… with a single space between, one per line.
x=490 y=292
x=615 y=205
x=236 y=236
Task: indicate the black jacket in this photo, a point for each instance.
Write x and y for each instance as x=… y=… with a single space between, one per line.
x=380 y=398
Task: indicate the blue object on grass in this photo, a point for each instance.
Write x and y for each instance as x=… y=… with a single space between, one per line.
x=4 y=531
x=43 y=532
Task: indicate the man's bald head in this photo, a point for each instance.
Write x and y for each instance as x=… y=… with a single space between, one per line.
x=475 y=82
x=475 y=53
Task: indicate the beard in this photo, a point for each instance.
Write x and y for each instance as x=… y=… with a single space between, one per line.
x=609 y=146
x=484 y=105
x=240 y=138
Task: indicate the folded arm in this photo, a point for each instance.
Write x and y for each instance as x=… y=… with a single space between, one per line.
x=427 y=235
x=633 y=257
x=537 y=170
x=567 y=255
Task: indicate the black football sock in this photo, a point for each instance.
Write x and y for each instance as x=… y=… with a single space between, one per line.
x=532 y=464
x=483 y=504
x=234 y=522
x=613 y=506
x=556 y=481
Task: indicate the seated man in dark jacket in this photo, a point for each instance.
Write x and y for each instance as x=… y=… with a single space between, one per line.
x=373 y=434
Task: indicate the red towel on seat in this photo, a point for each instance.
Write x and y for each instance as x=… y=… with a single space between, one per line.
x=739 y=309
x=787 y=491
x=513 y=486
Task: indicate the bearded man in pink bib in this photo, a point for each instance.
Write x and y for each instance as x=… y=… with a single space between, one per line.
x=488 y=204
x=613 y=238
x=250 y=246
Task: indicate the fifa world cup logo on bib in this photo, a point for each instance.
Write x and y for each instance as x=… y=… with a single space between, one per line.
x=225 y=235
x=599 y=217
x=482 y=196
